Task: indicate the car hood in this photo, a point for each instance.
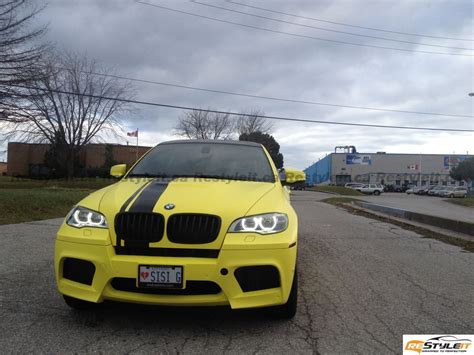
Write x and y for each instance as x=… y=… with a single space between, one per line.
x=228 y=199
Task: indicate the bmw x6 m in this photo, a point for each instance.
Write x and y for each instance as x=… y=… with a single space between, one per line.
x=192 y=223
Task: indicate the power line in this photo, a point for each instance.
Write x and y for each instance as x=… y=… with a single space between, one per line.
x=280 y=118
x=180 y=86
x=278 y=98
x=300 y=35
x=327 y=29
x=350 y=25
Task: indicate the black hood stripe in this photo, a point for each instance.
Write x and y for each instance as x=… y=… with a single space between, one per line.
x=147 y=200
x=130 y=199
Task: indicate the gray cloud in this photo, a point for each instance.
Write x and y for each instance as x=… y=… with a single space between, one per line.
x=154 y=44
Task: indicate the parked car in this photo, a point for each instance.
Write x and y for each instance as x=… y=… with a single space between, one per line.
x=423 y=190
x=392 y=188
x=353 y=185
x=454 y=192
x=398 y=188
x=416 y=190
x=427 y=189
x=175 y=230
x=298 y=178
x=435 y=190
x=371 y=189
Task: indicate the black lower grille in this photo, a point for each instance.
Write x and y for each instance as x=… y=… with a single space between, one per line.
x=171 y=252
x=254 y=278
x=193 y=228
x=139 y=228
x=192 y=288
x=78 y=270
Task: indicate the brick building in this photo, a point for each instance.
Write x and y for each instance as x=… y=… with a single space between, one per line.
x=3 y=168
x=25 y=159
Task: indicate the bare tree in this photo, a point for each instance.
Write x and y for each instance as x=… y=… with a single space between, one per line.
x=253 y=122
x=19 y=51
x=69 y=105
x=199 y=124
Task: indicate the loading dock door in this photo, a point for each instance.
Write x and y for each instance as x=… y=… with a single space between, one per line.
x=341 y=180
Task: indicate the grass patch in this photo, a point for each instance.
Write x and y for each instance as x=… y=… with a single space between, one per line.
x=339 y=190
x=7 y=182
x=468 y=201
x=23 y=205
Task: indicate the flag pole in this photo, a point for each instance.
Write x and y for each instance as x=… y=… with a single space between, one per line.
x=136 y=151
x=419 y=167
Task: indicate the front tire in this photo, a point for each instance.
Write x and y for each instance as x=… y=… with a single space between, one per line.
x=288 y=310
x=78 y=304
x=376 y=193
x=451 y=196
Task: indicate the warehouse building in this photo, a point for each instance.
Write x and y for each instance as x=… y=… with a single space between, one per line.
x=383 y=168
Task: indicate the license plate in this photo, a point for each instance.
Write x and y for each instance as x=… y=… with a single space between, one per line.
x=154 y=276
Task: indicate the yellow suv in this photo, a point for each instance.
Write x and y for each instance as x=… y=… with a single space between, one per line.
x=194 y=223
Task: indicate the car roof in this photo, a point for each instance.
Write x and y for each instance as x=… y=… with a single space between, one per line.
x=212 y=141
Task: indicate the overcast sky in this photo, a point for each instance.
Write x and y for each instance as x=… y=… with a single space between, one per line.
x=155 y=44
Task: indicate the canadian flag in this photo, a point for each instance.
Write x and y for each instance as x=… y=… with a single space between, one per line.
x=133 y=134
x=413 y=167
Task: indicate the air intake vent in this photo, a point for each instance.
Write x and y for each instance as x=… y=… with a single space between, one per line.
x=78 y=270
x=192 y=288
x=191 y=228
x=254 y=278
x=136 y=228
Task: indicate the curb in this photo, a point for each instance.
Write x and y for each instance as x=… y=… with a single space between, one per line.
x=325 y=192
x=445 y=223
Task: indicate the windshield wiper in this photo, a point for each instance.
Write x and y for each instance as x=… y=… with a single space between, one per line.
x=200 y=176
x=146 y=175
x=218 y=177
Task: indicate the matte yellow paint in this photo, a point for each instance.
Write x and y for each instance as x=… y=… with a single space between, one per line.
x=294 y=175
x=228 y=199
x=118 y=170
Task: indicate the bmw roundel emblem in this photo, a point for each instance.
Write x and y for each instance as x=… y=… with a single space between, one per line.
x=169 y=206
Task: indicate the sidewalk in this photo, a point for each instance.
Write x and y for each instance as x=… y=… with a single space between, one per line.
x=454 y=225
x=433 y=206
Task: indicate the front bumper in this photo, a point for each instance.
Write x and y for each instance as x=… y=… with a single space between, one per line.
x=108 y=266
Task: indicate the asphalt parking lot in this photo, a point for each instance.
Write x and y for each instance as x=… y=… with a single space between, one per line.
x=363 y=284
x=435 y=206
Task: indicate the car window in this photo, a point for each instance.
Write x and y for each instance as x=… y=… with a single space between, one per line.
x=216 y=160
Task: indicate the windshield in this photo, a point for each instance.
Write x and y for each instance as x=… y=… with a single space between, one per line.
x=205 y=160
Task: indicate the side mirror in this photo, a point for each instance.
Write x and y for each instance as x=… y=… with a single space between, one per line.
x=292 y=176
x=118 y=171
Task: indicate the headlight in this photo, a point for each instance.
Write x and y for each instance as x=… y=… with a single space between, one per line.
x=263 y=224
x=83 y=217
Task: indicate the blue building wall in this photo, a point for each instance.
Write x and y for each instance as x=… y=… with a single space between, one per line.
x=319 y=172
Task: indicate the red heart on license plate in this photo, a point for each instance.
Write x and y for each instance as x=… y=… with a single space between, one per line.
x=144 y=274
